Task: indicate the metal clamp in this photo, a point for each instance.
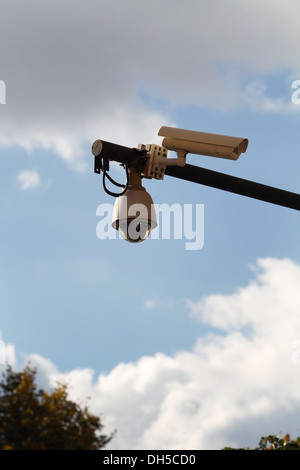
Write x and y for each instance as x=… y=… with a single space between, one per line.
x=157 y=161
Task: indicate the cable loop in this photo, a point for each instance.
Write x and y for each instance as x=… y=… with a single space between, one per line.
x=111 y=193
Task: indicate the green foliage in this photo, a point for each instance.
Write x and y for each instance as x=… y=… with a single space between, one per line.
x=273 y=442
x=33 y=419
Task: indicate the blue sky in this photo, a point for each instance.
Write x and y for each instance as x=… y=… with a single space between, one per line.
x=107 y=314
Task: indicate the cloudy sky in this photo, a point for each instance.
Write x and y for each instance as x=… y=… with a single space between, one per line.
x=177 y=348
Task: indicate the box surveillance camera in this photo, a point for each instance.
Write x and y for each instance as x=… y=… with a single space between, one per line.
x=202 y=143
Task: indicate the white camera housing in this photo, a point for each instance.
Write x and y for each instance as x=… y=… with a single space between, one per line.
x=134 y=213
x=201 y=143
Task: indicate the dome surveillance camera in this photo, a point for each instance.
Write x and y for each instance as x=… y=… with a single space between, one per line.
x=134 y=214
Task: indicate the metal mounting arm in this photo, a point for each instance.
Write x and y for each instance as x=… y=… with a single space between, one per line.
x=106 y=151
x=154 y=163
x=236 y=185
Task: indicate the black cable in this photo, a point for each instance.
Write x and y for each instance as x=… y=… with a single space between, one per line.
x=111 y=193
x=113 y=181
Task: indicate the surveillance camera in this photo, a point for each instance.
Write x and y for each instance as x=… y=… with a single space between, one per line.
x=134 y=214
x=202 y=143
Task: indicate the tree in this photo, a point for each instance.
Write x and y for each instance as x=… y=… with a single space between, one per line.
x=33 y=419
x=273 y=442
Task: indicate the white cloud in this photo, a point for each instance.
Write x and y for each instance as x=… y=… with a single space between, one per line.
x=149 y=304
x=75 y=71
x=28 y=179
x=239 y=382
x=10 y=355
x=7 y=354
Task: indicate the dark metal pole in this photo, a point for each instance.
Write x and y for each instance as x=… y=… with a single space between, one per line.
x=118 y=153
x=106 y=150
x=235 y=185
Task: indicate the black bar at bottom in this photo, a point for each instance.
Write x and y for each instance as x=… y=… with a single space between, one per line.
x=235 y=185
